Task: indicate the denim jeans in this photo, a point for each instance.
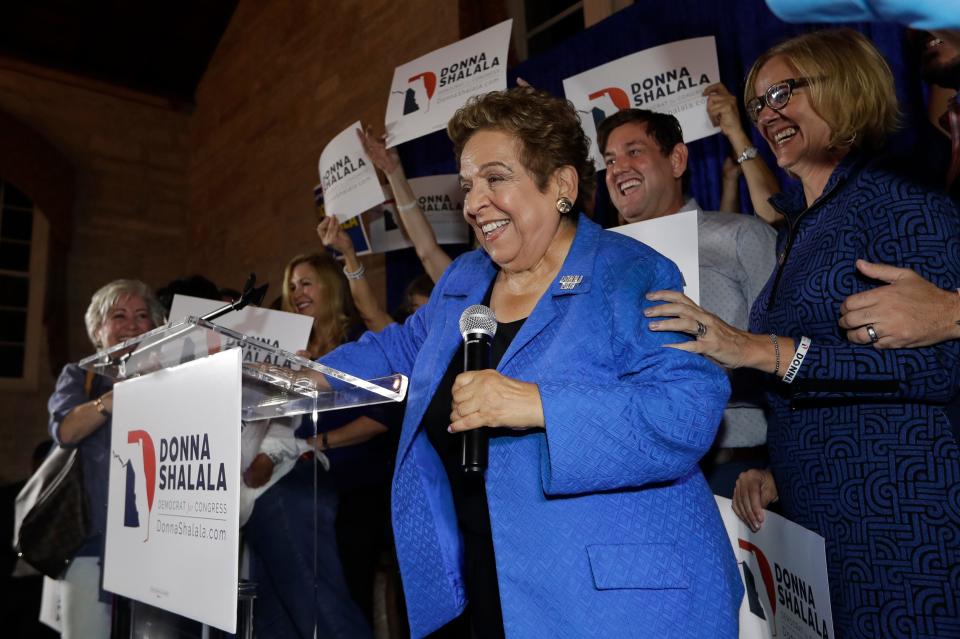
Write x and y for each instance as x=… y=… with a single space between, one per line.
x=281 y=537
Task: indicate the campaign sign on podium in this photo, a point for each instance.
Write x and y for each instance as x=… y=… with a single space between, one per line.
x=173 y=534
x=182 y=392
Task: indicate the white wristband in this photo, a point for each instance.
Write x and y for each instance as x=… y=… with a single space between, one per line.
x=797 y=360
x=355 y=275
x=403 y=208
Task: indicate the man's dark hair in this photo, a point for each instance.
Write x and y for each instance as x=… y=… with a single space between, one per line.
x=662 y=127
x=194 y=286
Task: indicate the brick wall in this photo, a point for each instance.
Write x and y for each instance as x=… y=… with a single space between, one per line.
x=131 y=159
x=226 y=189
x=281 y=84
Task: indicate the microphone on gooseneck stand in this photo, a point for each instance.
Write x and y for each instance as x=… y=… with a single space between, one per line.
x=252 y=294
x=478 y=325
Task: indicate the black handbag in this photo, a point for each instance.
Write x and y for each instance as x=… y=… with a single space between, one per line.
x=52 y=513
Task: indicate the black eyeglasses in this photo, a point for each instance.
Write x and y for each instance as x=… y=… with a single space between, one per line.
x=776 y=97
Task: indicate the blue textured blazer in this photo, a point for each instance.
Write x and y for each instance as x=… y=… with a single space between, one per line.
x=602 y=523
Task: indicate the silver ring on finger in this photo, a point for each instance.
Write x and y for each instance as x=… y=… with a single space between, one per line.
x=701 y=329
x=872 y=333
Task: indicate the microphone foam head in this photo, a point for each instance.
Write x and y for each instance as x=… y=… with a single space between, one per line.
x=478 y=319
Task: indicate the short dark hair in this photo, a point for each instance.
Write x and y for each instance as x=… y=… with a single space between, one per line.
x=193 y=285
x=664 y=128
x=548 y=128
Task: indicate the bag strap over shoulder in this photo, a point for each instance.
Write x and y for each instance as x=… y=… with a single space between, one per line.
x=88 y=384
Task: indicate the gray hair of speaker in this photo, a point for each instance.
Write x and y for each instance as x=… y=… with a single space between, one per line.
x=478 y=319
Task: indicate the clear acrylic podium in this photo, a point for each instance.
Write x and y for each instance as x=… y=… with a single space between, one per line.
x=275 y=384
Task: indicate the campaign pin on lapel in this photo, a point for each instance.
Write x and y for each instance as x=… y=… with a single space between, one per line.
x=569 y=282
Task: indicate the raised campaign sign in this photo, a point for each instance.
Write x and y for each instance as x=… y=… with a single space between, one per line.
x=426 y=92
x=666 y=79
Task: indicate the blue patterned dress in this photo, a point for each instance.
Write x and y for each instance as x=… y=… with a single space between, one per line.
x=860 y=447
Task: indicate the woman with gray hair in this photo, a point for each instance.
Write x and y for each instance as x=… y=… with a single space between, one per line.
x=80 y=411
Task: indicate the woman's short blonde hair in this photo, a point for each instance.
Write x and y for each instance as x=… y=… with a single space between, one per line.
x=107 y=297
x=852 y=86
x=337 y=318
x=548 y=128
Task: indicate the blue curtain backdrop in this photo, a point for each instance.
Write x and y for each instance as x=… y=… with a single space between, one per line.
x=743 y=28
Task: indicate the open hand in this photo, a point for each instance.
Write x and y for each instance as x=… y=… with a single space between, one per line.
x=387 y=160
x=909 y=312
x=259 y=472
x=723 y=110
x=755 y=490
x=333 y=236
x=715 y=339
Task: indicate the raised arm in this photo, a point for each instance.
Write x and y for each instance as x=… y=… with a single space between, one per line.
x=730 y=186
x=761 y=182
x=373 y=315
x=434 y=259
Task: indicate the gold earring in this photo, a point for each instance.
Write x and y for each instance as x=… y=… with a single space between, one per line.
x=564 y=205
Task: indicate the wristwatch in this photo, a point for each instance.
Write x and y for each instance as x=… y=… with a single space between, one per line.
x=748 y=154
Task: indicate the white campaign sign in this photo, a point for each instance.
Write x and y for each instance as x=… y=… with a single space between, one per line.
x=675 y=237
x=441 y=200
x=172 y=535
x=50 y=608
x=784 y=572
x=279 y=329
x=349 y=179
x=667 y=79
x=426 y=92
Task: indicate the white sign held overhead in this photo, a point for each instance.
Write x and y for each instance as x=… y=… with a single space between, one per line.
x=441 y=200
x=348 y=177
x=667 y=79
x=173 y=535
x=675 y=237
x=784 y=571
x=426 y=92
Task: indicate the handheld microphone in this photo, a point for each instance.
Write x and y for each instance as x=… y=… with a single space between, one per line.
x=478 y=325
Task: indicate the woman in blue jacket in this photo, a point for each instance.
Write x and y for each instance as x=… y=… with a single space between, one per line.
x=593 y=519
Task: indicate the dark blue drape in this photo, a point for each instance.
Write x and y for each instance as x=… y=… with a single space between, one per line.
x=743 y=28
